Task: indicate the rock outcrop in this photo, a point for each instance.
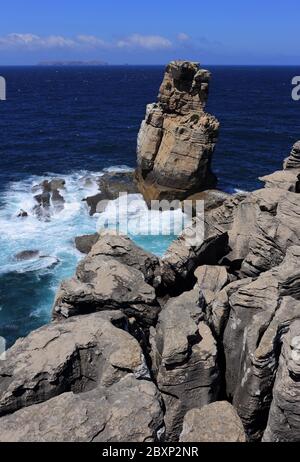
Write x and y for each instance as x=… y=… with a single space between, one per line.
x=184 y=355
x=284 y=418
x=128 y=411
x=177 y=138
x=75 y=355
x=214 y=423
x=111 y=186
x=201 y=345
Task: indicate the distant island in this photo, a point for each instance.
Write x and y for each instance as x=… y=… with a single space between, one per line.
x=72 y=63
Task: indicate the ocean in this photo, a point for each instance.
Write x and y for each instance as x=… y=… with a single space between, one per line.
x=71 y=122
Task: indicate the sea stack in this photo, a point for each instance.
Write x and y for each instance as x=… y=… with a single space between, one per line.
x=177 y=138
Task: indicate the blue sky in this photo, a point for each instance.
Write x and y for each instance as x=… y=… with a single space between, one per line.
x=150 y=32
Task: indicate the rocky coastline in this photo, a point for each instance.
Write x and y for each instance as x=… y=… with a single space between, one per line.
x=201 y=345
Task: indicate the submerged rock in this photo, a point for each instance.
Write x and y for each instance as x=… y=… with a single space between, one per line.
x=111 y=186
x=22 y=214
x=177 y=138
x=215 y=423
x=27 y=255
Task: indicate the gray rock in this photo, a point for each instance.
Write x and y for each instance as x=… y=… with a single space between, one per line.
x=284 y=419
x=211 y=280
x=113 y=184
x=43 y=199
x=96 y=203
x=184 y=357
x=27 y=255
x=76 y=355
x=259 y=313
x=103 y=283
x=177 y=138
x=85 y=243
x=123 y=249
x=284 y=179
x=212 y=199
x=214 y=423
x=293 y=161
x=264 y=227
x=129 y=411
x=22 y=214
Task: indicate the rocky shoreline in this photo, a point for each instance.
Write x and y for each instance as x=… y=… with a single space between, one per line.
x=200 y=345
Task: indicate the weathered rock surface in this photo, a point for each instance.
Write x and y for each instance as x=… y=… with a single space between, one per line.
x=259 y=313
x=76 y=355
x=293 y=161
x=111 y=186
x=212 y=199
x=27 y=255
x=115 y=183
x=121 y=248
x=214 y=423
x=284 y=417
x=129 y=411
x=177 y=138
x=211 y=280
x=184 y=356
x=283 y=179
x=49 y=195
x=103 y=283
x=85 y=243
x=22 y=214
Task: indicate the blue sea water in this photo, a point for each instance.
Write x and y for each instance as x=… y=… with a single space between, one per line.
x=73 y=122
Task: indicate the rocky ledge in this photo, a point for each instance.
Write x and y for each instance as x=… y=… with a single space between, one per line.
x=201 y=345
x=208 y=337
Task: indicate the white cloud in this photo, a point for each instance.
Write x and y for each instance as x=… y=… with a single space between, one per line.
x=148 y=42
x=91 y=40
x=33 y=42
x=182 y=37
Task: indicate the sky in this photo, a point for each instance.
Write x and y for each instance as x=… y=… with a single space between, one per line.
x=150 y=32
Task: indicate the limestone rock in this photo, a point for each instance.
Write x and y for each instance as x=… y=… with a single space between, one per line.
x=283 y=179
x=214 y=423
x=212 y=199
x=123 y=249
x=284 y=418
x=128 y=411
x=211 y=280
x=113 y=184
x=27 y=255
x=185 y=359
x=260 y=311
x=85 y=243
x=177 y=138
x=75 y=355
x=103 y=283
x=293 y=161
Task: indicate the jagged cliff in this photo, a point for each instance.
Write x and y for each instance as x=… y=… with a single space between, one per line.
x=177 y=137
x=200 y=345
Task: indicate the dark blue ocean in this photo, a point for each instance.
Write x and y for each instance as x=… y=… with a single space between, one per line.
x=75 y=122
